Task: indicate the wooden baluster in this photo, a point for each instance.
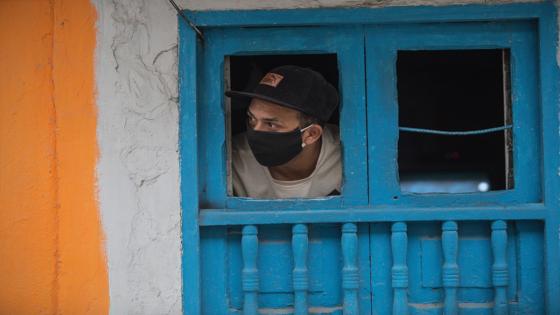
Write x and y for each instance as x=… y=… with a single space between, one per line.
x=300 y=245
x=250 y=273
x=499 y=268
x=450 y=275
x=399 y=271
x=350 y=276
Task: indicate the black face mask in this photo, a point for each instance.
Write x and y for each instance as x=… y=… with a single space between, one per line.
x=274 y=148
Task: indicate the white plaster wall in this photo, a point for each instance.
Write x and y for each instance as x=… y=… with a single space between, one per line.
x=138 y=170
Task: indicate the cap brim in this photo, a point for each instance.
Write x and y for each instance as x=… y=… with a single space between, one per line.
x=262 y=97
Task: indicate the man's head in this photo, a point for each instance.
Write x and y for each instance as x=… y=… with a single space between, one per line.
x=269 y=117
x=298 y=88
x=287 y=112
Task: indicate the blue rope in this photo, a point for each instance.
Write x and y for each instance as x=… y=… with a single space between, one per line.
x=455 y=133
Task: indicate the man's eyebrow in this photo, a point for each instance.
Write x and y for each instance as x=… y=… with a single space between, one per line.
x=269 y=119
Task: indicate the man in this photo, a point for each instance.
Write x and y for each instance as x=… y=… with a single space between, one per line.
x=288 y=151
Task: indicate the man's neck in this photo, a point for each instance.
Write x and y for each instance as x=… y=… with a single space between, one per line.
x=299 y=167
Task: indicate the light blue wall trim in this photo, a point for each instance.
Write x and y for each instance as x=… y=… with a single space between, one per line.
x=550 y=99
x=399 y=271
x=300 y=273
x=338 y=16
x=211 y=217
x=450 y=269
x=188 y=147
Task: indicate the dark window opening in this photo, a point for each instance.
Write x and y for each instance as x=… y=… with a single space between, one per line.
x=243 y=73
x=454 y=90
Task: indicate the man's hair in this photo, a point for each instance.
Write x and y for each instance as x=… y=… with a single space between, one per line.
x=306 y=120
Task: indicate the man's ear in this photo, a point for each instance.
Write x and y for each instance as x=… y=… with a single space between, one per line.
x=312 y=134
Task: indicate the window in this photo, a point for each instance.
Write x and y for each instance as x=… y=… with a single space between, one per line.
x=454 y=90
x=243 y=72
x=457 y=78
x=335 y=52
x=461 y=76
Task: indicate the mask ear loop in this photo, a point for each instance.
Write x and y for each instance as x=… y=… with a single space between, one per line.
x=302 y=130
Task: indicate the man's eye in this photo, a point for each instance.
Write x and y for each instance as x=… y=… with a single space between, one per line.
x=271 y=125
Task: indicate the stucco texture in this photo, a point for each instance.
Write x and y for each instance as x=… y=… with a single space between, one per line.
x=138 y=170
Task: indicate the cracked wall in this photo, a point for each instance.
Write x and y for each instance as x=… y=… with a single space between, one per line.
x=138 y=170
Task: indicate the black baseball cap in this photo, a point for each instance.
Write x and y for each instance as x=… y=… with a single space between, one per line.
x=298 y=88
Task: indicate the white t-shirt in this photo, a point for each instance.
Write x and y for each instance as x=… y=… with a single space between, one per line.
x=250 y=179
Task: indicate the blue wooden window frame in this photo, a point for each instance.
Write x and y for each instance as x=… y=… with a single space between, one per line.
x=383 y=43
x=342 y=41
x=204 y=202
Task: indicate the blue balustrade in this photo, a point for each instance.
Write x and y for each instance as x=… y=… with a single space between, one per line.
x=450 y=274
x=399 y=271
x=350 y=275
x=300 y=247
x=500 y=268
x=250 y=274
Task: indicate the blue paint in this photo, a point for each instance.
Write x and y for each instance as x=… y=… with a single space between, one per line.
x=188 y=146
x=250 y=279
x=417 y=14
x=213 y=268
x=458 y=253
x=350 y=273
x=399 y=271
x=300 y=247
x=276 y=266
x=213 y=217
x=450 y=274
x=500 y=277
x=382 y=45
x=381 y=257
x=364 y=269
x=325 y=259
x=346 y=43
x=234 y=265
x=550 y=98
x=419 y=290
x=531 y=273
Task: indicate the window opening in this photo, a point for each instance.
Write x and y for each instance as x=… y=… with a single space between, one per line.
x=244 y=72
x=454 y=90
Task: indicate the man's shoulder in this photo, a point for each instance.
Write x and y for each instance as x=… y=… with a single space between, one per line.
x=240 y=151
x=331 y=139
x=332 y=133
x=249 y=177
x=239 y=142
x=328 y=172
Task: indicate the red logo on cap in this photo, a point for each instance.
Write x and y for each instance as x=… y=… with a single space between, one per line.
x=272 y=79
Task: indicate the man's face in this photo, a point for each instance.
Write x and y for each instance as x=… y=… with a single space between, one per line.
x=266 y=116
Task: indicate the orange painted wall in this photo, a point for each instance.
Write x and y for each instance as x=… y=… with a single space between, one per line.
x=28 y=221
x=52 y=256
